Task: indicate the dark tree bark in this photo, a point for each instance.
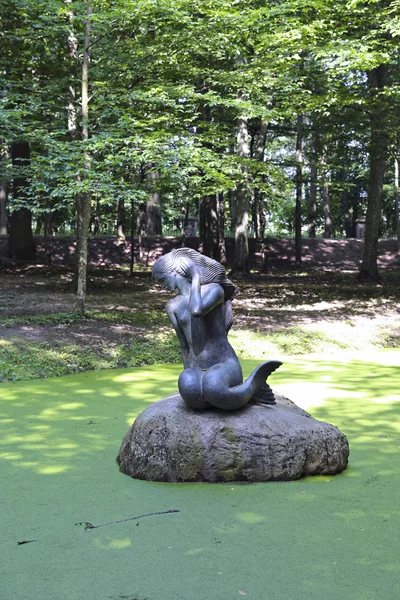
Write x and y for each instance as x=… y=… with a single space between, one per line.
x=46 y=237
x=141 y=229
x=377 y=79
x=153 y=207
x=3 y=207
x=96 y=218
x=83 y=199
x=185 y=221
x=312 y=202
x=209 y=238
x=232 y=209
x=21 y=244
x=258 y=202
x=132 y=261
x=3 y=190
x=345 y=204
x=355 y=204
x=244 y=195
x=396 y=201
x=221 y=228
x=299 y=188
x=325 y=193
x=121 y=220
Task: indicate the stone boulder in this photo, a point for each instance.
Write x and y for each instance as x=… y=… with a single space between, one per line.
x=171 y=442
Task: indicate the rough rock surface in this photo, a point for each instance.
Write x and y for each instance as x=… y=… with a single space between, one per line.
x=170 y=442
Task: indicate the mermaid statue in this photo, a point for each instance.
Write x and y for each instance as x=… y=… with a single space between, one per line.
x=201 y=314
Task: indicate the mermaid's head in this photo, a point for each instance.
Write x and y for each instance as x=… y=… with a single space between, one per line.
x=182 y=261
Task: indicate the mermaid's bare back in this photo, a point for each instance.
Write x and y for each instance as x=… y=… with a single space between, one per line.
x=213 y=375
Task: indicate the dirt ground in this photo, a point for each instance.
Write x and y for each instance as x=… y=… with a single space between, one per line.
x=328 y=301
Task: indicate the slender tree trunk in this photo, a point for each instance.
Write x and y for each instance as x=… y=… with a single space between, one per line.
x=345 y=204
x=232 y=208
x=73 y=52
x=209 y=239
x=244 y=195
x=121 y=220
x=299 y=188
x=141 y=229
x=83 y=199
x=185 y=222
x=132 y=261
x=377 y=79
x=396 y=201
x=355 y=204
x=325 y=192
x=312 y=202
x=4 y=156
x=21 y=245
x=46 y=237
x=96 y=224
x=258 y=203
x=221 y=228
x=3 y=207
x=153 y=206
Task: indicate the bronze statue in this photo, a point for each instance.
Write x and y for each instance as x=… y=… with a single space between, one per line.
x=201 y=314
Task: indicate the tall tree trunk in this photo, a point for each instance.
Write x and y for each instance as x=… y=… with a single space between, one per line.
x=232 y=209
x=244 y=195
x=132 y=257
x=73 y=52
x=3 y=206
x=186 y=210
x=325 y=192
x=299 y=188
x=377 y=80
x=153 y=206
x=141 y=229
x=221 y=228
x=121 y=220
x=209 y=238
x=46 y=236
x=355 y=204
x=83 y=199
x=258 y=203
x=345 y=204
x=396 y=201
x=4 y=156
x=312 y=202
x=21 y=245
x=96 y=219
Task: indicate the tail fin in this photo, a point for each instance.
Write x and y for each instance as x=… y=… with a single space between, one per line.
x=263 y=393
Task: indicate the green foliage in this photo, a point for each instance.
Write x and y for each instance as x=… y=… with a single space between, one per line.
x=168 y=82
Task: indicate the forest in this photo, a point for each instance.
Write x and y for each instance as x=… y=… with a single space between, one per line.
x=243 y=117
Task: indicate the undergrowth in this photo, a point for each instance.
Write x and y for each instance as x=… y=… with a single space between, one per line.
x=145 y=317
x=20 y=359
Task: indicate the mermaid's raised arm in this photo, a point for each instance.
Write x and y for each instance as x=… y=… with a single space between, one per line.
x=203 y=301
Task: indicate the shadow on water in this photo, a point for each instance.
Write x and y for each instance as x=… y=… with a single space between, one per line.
x=47 y=424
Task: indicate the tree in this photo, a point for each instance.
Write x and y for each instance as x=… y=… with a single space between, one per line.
x=377 y=80
x=3 y=190
x=243 y=200
x=21 y=245
x=299 y=187
x=83 y=198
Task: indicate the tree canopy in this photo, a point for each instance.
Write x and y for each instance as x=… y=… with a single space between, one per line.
x=192 y=100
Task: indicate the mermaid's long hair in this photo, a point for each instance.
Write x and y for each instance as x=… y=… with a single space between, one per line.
x=209 y=269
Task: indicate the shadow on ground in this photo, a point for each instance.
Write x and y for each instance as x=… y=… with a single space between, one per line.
x=320 y=538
